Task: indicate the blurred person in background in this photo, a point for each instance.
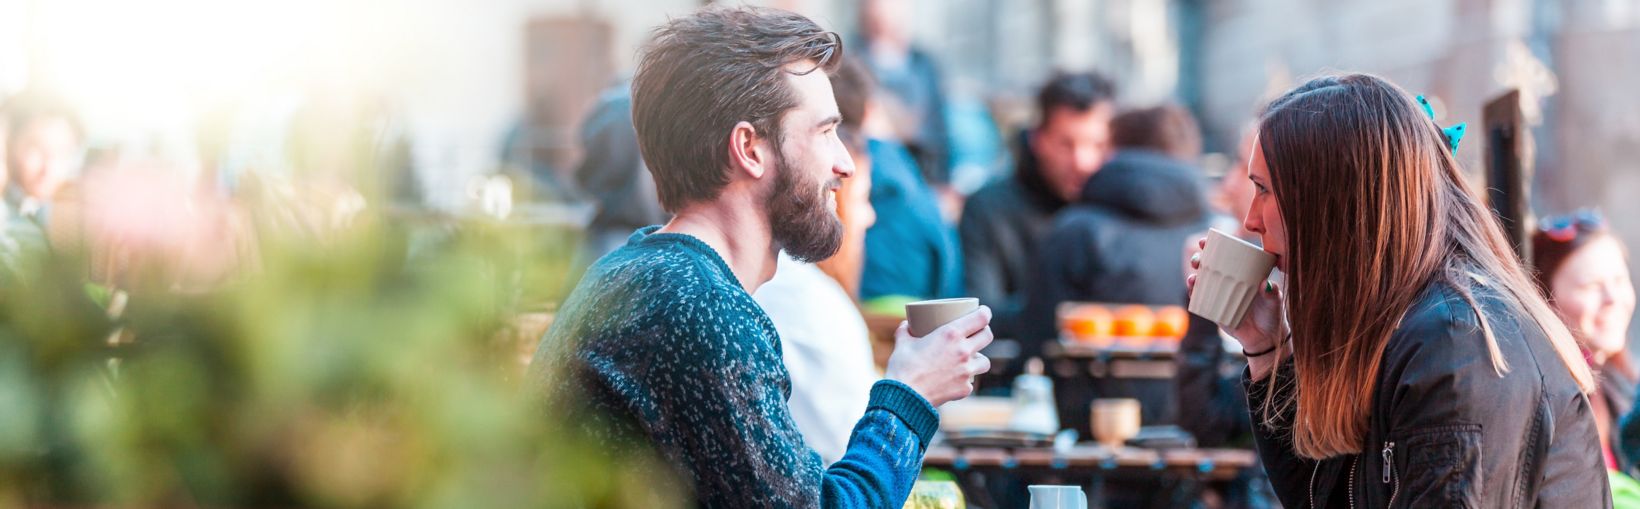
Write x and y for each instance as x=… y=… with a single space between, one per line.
x=1234 y=192
x=910 y=79
x=46 y=149
x=1584 y=271
x=1119 y=241
x=912 y=253
x=662 y=347
x=612 y=174
x=1211 y=403
x=823 y=337
x=1004 y=222
x=42 y=145
x=1209 y=378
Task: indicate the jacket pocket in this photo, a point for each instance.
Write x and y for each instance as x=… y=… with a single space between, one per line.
x=1435 y=467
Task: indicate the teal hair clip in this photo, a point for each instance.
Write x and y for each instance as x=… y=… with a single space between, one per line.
x=1453 y=134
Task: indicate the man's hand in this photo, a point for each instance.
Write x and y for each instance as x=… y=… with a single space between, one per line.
x=941 y=366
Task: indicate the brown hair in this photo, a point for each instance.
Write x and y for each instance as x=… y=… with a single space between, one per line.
x=1550 y=253
x=1353 y=151
x=1075 y=91
x=701 y=74
x=1169 y=129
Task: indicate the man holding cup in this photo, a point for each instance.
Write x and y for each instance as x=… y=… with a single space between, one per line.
x=662 y=340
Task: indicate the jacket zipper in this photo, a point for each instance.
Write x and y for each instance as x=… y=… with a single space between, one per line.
x=1354 y=463
x=1389 y=476
x=1389 y=472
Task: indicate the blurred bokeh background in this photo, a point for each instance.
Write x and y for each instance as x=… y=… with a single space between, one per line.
x=476 y=88
x=353 y=216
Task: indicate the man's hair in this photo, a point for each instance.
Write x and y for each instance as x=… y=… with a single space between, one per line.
x=701 y=74
x=1078 y=91
x=1169 y=129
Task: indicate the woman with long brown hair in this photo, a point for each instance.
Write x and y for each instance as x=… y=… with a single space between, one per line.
x=1416 y=364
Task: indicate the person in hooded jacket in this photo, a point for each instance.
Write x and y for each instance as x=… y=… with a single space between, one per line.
x=1119 y=243
x=613 y=175
x=1003 y=222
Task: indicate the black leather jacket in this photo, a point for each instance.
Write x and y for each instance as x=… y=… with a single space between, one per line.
x=1446 y=430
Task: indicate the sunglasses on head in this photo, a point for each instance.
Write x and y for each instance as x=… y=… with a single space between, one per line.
x=1565 y=228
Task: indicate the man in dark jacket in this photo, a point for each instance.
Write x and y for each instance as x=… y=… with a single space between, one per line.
x=1004 y=221
x=1119 y=243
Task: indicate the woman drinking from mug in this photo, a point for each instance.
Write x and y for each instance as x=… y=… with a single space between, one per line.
x=1417 y=365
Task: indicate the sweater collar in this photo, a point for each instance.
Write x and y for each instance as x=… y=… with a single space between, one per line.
x=652 y=237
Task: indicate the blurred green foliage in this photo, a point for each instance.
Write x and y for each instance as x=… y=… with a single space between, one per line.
x=375 y=364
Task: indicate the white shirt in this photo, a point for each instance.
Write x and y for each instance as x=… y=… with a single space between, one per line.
x=827 y=350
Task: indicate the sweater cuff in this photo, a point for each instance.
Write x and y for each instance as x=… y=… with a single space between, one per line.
x=899 y=399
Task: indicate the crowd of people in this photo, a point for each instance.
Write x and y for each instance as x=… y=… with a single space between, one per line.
x=809 y=181
x=765 y=188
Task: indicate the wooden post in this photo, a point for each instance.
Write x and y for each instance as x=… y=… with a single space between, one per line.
x=1509 y=170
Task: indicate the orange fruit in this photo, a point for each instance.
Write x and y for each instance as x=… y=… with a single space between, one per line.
x=1134 y=321
x=1091 y=324
x=1171 y=322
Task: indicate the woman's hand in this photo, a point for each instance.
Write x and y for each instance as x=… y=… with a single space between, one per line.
x=1262 y=328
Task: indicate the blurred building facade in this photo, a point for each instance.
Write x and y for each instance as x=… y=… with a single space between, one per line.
x=484 y=85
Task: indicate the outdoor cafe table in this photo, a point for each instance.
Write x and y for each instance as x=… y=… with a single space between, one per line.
x=1082 y=373
x=1183 y=471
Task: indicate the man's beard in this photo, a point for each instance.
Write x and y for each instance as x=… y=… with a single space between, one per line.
x=803 y=223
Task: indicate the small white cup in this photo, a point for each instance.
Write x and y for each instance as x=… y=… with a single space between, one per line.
x=1231 y=275
x=925 y=316
x=1045 y=496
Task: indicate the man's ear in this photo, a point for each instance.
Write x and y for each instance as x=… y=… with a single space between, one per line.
x=749 y=152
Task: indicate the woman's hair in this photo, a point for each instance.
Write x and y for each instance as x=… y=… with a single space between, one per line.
x=1375 y=204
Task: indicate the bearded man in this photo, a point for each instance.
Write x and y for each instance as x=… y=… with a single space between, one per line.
x=661 y=344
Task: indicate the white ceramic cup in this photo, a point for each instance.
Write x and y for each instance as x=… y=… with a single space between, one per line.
x=925 y=316
x=1232 y=273
x=1114 y=420
x=1057 y=497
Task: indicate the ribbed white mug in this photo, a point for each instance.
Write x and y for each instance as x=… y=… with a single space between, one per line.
x=1232 y=273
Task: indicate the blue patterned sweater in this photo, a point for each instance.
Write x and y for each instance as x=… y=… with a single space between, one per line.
x=661 y=340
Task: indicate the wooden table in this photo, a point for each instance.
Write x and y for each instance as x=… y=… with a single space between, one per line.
x=1184 y=471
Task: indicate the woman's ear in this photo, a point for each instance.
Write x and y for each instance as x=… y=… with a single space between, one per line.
x=749 y=153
